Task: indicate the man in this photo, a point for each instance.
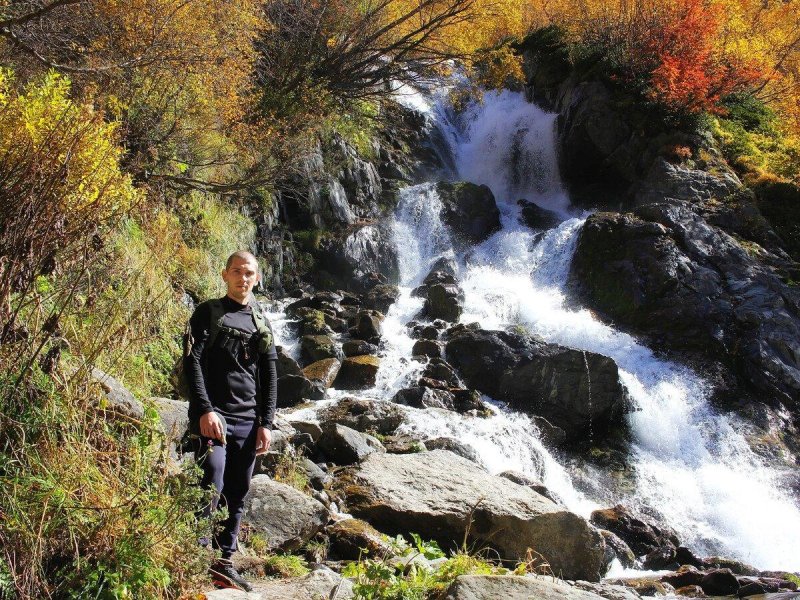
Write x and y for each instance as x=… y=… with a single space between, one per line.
x=232 y=379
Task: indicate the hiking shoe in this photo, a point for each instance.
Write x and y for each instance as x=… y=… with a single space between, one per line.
x=224 y=575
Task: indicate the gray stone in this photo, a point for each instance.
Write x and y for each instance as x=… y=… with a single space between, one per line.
x=174 y=416
x=345 y=446
x=364 y=415
x=293 y=390
x=536 y=217
x=381 y=297
x=119 y=398
x=608 y=591
x=286 y=364
x=428 y=348
x=309 y=427
x=469 y=210
x=436 y=492
x=358 y=347
x=455 y=446
x=509 y=587
x=318 y=347
x=357 y=372
x=285 y=517
x=320 y=583
x=424 y=397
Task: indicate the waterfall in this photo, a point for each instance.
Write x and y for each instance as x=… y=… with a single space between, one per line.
x=692 y=465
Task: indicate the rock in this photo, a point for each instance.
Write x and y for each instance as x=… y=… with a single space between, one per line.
x=666 y=180
x=323 y=372
x=664 y=264
x=424 y=397
x=646 y=586
x=468 y=401
x=358 y=347
x=318 y=347
x=357 y=372
x=684 y=556
x=549 y=433
x=368 y=326
x=313 y=322
x=320 y=583
x=345 y=446
x=362 y=250
x=403 y=444
x=536 y=485
x=286 y=364
x=608 y=591
x=444 y=301
x=118 y=398
x=533 y=376
x=750 y=587
x=621 y=550
x=354 y=539
x=316 y=476
x=424 y=332
x=428 y=348
x=641 y=534
x=311 y=428
x=737 y=566
x=293 y=390
x=285 y=517
x=437 y=491
x=683 y=577
x=660 y=558
x=720 y=582
x=509 y=587
x=440 y=370
x=469 y=210
x=364 y=415
x=381 y=297
x=455 y=446
x=536 y=217
x=692 y=591
x=174 y=416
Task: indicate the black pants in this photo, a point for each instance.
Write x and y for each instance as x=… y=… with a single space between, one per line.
x=229 y=469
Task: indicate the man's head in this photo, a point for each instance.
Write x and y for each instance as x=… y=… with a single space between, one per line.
x=241 y=275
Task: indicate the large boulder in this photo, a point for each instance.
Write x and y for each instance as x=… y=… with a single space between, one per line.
x=642 y=534
x=439 y=493
x=362 y=414
x=381 y=297
x=345 y=446
x=352 y=257
x=575 y=390
x=357 y=372
x=318 y=347
x=323 y=372
x=285 y=517
x=469 y=210
x=117 y=398
x=444 y=301
x=294 y=389
x=664 y=272
x=508 y=587
x=353 y=539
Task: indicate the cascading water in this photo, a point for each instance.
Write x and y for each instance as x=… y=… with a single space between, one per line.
x=692 y=466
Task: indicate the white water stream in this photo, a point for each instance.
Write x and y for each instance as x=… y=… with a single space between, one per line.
x=692 y=466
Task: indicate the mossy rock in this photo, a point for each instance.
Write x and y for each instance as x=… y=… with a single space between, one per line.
x=358 y=372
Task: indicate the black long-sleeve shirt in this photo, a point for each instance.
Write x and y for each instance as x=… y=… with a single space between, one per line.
x=225 y=376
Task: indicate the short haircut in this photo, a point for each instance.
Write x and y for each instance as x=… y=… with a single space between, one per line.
x=244 y=255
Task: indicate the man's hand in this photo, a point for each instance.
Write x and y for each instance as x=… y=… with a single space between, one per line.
x=211 y=426
x=263 y=440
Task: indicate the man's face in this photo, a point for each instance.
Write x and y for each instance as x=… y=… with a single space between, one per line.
x=240 y=278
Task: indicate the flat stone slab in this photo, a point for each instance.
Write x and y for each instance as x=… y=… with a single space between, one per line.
x=495 y=587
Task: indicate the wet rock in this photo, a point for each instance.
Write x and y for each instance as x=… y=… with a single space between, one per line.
x=444 y=301
x=357 y=372
x=536 y=485
x=293 y=390
x=312 y=322
x=469 y=210
x=428 y=347
x=358 y=347
x=363 y=250
x=691 y=591
x=509 y=587
x=368 y=326
x=660 y=558
x=354 y=539
x=381 y=297
x=424 y=397
x=665 y=264
x=441 y=370
x=364 y=415
x=286 y=364
x=536 y=217
x=643 y=535
x=424 y=332
x=684 y=556
x=621 y=550
x=468 y=401
x=683 y=577
x=437 y=492
x=345 y=446
x=645 y=586
x=737 y=566
x=323 y=372
x=749 y=586
x=549 y=433
x=720 y=582
x=318 y=347
x=403 y=444
x=534 y=376
x=285 y=517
